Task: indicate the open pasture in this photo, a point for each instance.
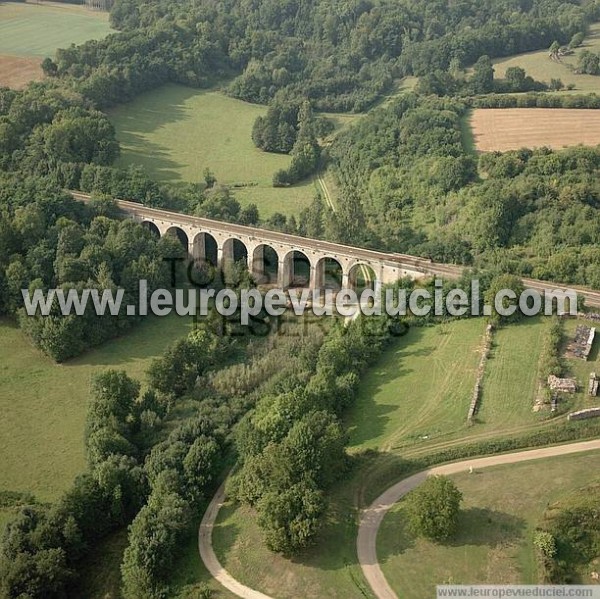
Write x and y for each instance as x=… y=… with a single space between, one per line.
x=44 y=404
x=176 y=133
x=504 y=129
x=30 y=32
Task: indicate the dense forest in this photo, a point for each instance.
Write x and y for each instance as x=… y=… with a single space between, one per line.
x=49 y=241
x=410 y=186
x=339 y=54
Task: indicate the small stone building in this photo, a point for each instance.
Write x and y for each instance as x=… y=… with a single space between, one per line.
x=563 y=385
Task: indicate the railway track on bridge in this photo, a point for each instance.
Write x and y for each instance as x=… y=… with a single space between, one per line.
x=401 y=261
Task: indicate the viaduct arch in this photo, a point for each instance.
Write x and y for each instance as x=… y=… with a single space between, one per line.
x=266 y=251
x=275 y=258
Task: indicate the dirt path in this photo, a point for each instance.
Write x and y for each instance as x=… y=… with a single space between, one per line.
x=372 y=517
x=326 y=194
x=208 y=555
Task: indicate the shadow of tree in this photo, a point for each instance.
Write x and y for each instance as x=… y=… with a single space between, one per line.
x=487 y=527
x=367 y=418
x=479 y=527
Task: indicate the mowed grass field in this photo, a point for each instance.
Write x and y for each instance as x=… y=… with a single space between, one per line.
x=43 y=404
x=30 y=32
x=503 y=129
x=501 y=508
x=413 y=401
x=176 y=132
x=416 y=398
x=542 y=68
x=420 y=389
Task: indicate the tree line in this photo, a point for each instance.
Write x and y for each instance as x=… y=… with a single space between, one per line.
x=141 y=472
x=408 y=185
x=340 y=56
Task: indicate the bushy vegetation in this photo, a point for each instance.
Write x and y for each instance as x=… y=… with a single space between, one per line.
x=408 y=185
x=551 y=362
x=137 y=473
x=533 y=100
x=588 y=63
x=568 y=538
x=433 y=508
x=291 y=447
x=482 y=81
x=305 y=151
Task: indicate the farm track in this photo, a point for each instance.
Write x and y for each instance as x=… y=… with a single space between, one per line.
x=372 y=517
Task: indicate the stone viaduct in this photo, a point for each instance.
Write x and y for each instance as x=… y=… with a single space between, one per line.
x=292 y=261
x=278 y=258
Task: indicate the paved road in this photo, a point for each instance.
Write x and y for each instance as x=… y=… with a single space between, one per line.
x=208 y=555
x=372 y=517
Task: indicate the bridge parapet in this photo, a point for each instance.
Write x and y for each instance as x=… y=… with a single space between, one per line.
x=233 y=242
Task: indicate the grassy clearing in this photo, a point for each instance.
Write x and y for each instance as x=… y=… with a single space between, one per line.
x=100 y=575
x=542 y=68
x=176 y=132
x=189 y=573
x=511 y=376
x=501 y=509
x=44 y=404
x=420 y=389
x=36 y=30
x=466 y=133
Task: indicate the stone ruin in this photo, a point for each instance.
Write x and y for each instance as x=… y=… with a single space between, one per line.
x=562 y=385
x=581 y=346
x=594 y=385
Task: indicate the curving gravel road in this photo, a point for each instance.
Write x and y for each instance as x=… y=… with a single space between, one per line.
x=372 y=516
x=208 y=555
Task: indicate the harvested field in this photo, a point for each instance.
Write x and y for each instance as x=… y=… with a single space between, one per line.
x=503 y=129
x=17 y=71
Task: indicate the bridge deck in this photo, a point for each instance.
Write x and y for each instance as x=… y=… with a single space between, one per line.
x=426 y=266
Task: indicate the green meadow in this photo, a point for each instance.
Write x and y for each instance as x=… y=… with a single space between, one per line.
x=501 y=508
x=28 y=29
x=419 y=390
x=176 y=132
x=44 y=404
x=415 y=399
